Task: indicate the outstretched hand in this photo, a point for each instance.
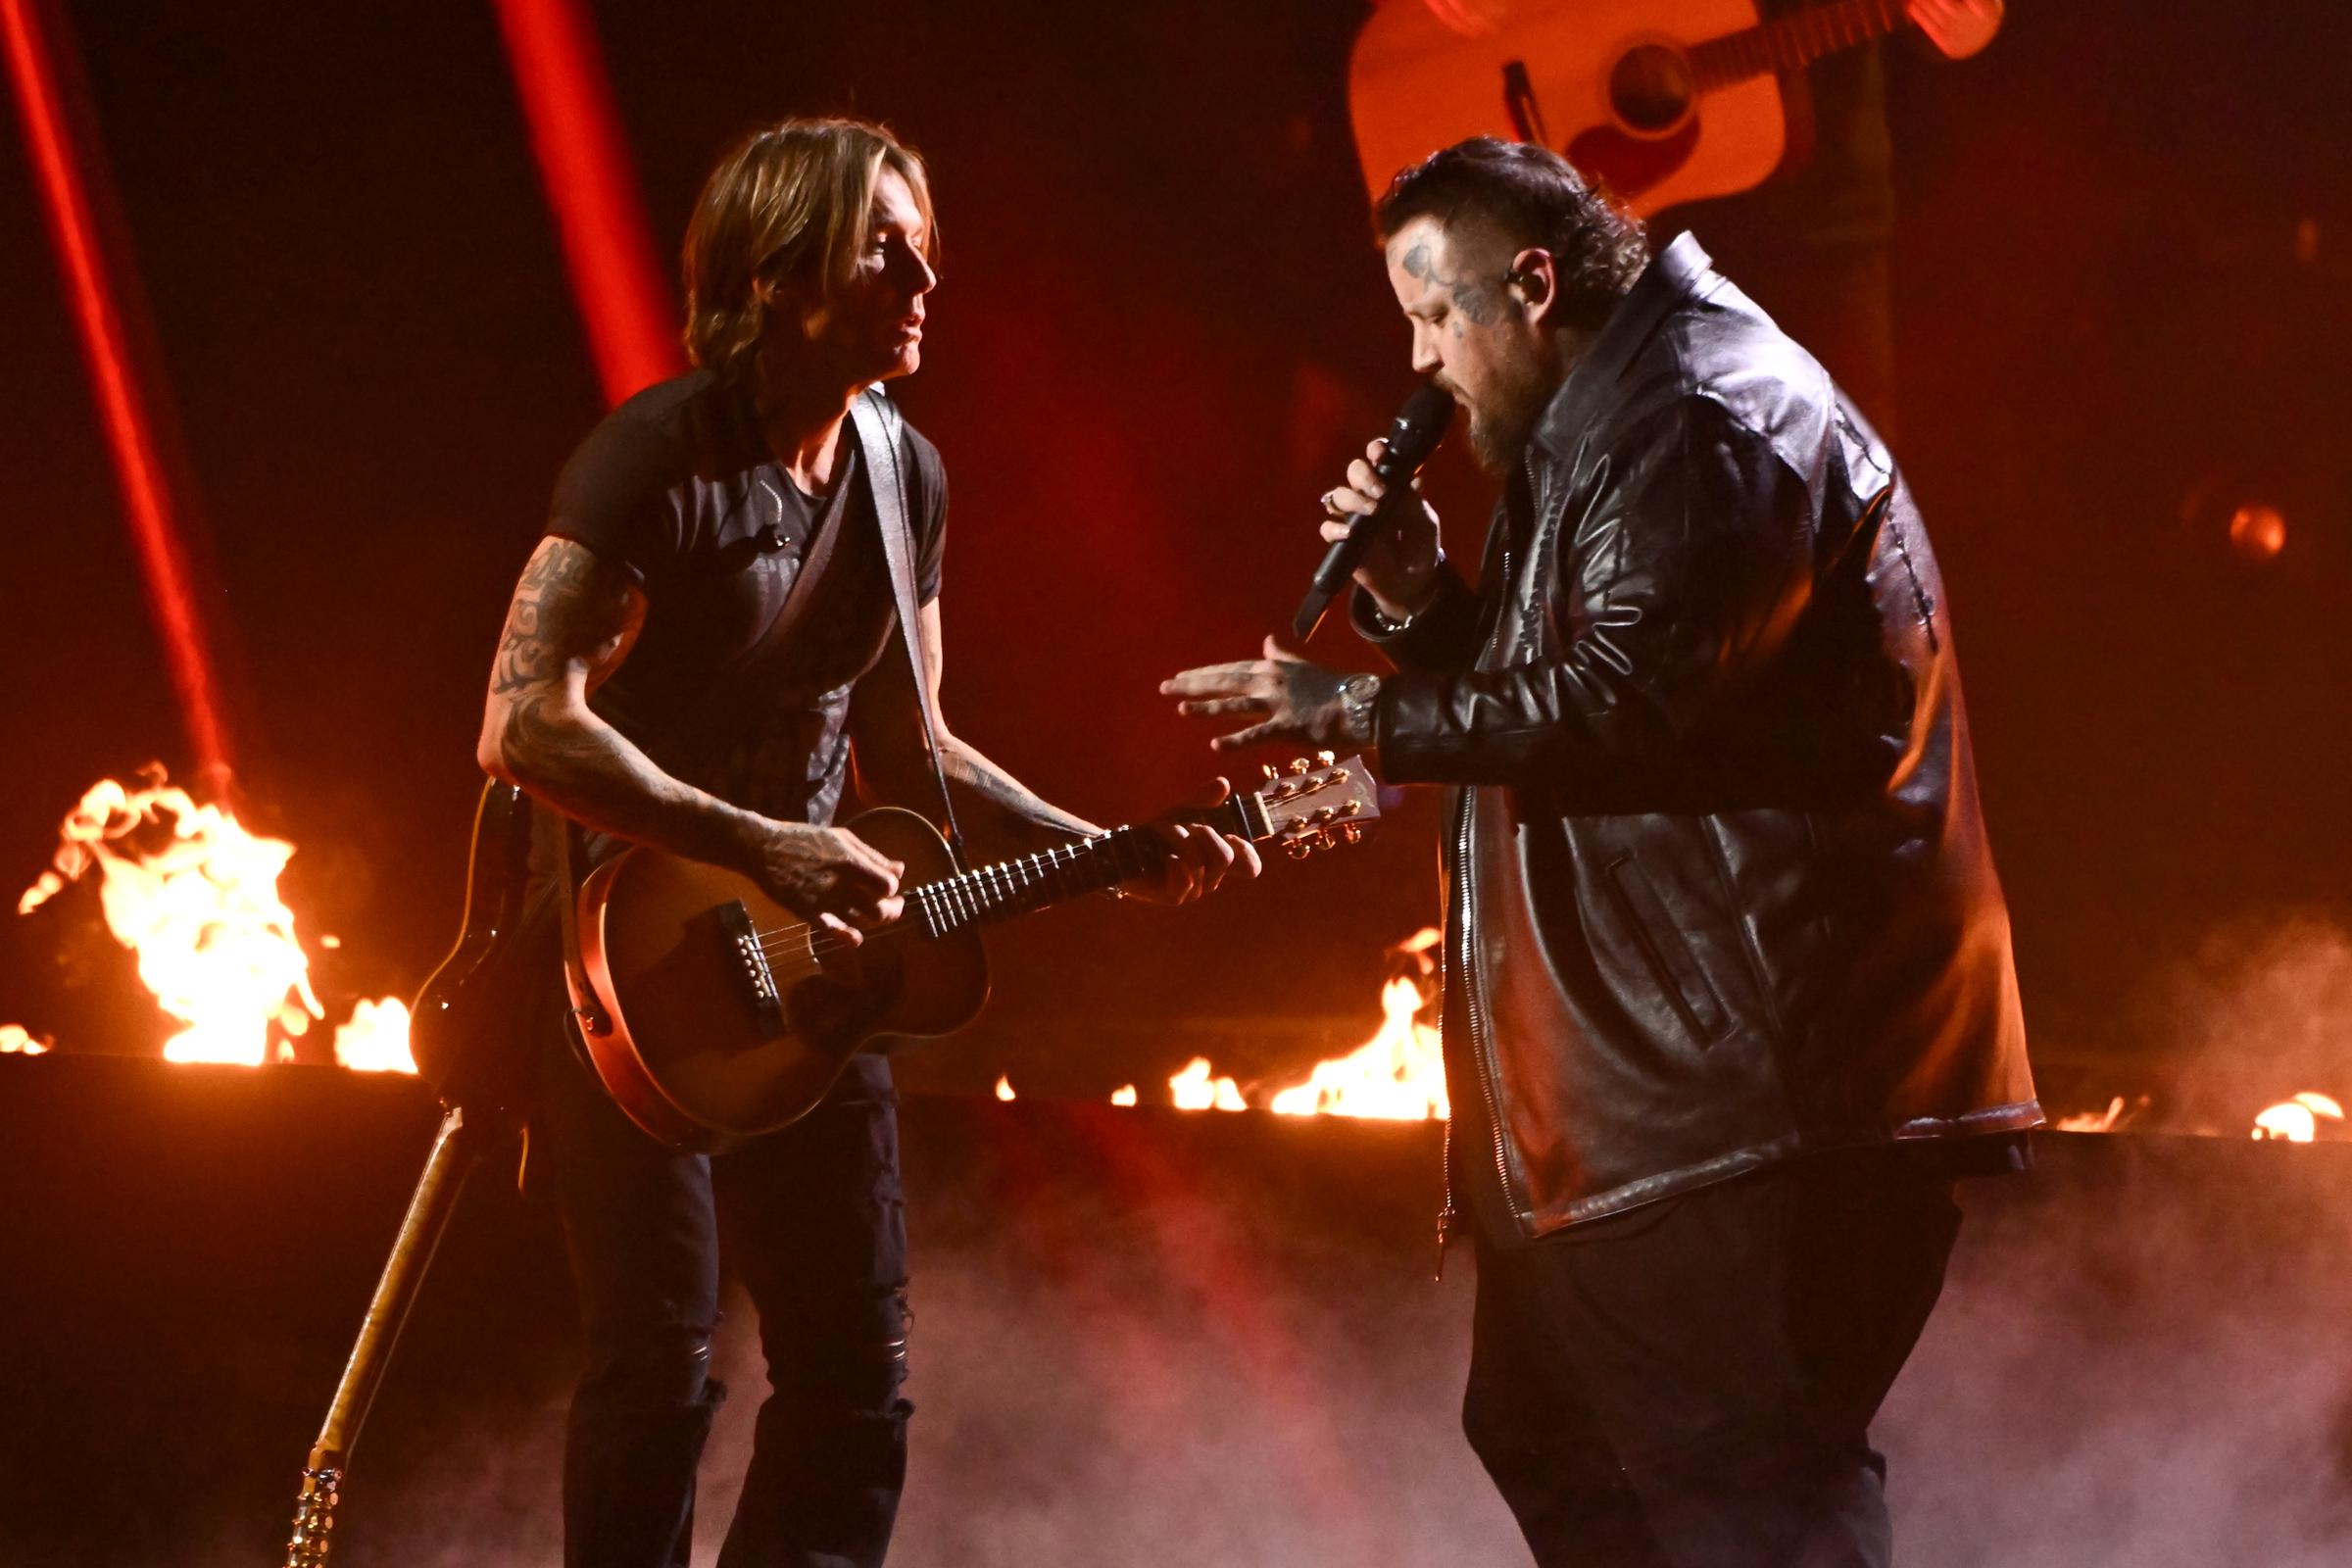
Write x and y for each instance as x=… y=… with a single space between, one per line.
x=1300 y=701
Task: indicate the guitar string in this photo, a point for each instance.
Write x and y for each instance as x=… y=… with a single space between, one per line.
x=974 y=901
x=965 y=898
x=772 y=940
x=977 y=904
x=980 y=905
x=971 y=903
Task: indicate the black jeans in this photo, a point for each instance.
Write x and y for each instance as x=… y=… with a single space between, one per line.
x=815 y=1226
x=1692 y=1385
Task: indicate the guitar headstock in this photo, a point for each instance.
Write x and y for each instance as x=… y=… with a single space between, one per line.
x=1318 y=802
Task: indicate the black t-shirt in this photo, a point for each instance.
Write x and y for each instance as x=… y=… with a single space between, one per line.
x=678 y=486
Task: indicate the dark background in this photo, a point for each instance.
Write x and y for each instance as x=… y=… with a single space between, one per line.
x=2120 y=272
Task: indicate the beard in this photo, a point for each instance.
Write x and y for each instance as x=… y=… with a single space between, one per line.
x=1501 y=425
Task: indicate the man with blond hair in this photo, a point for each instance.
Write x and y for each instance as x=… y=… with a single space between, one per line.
x=635 y=693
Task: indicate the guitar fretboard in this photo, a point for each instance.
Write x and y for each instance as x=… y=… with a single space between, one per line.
x=1791 y=41
x=1033 y=882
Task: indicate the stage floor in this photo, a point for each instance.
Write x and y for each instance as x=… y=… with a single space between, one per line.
x=1143 y=1337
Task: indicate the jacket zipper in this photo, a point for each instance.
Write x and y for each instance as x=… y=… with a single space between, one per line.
x=1474 y=1013
x=1449 y=1219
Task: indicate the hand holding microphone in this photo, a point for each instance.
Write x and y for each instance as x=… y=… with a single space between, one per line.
x=1381 y=532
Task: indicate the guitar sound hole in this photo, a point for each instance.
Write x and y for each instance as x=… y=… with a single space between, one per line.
x=1650 y=89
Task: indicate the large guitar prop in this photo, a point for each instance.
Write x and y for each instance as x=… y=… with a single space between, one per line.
x=1662 y=101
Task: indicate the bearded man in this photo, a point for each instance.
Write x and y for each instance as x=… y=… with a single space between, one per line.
x=1729 y=996
x=650 y=689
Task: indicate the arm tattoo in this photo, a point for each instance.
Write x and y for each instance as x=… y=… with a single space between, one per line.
x=889 y=735
x=976 y=775
x=538 y=729
x=573 y=612
x=567 y=606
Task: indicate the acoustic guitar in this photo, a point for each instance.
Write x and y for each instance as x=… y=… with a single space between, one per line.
x=711 y=1012
x=714 y=1014
x=1662 y=101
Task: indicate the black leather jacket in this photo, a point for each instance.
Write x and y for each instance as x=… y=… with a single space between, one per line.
x=1719 y=890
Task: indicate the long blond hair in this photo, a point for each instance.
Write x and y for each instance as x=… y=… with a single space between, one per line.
x=790 y=200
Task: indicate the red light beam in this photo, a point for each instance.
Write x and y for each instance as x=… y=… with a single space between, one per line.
x=60 y=172
x=592 y=191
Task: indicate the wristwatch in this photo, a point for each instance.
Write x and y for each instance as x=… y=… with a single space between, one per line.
x=1358 y=696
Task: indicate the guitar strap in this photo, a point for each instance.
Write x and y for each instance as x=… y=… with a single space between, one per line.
x=878 y=423
x=726 y=695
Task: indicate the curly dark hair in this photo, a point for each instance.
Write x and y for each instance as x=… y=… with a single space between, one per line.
x=1539 y=199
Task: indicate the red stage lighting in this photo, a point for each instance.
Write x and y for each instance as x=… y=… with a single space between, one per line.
x=584 y=164
x=2257 y=533
x=63 y=172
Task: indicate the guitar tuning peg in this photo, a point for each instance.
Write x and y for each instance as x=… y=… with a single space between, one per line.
x=1351 y=833
x=1270 y=770
x=1298 y=764
x=1299 y=847
x=1326 y=759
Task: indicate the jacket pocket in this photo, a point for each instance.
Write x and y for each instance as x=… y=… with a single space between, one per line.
x=1671 y=960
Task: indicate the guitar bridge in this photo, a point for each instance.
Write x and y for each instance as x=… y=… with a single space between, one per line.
x=756 y=975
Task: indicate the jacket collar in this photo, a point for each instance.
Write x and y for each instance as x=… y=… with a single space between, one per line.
x=1680 y=273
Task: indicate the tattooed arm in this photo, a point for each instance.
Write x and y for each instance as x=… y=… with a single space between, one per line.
x=888 y=736
x=886 y=731
x=572 y=622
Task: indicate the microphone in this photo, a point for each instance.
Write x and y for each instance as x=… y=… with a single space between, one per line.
x=1418 y=428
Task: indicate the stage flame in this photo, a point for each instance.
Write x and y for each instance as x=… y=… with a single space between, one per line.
x=376 y=1040
x=1194 y=1091
x=17 y=1041
x=194 y=894
x=2111 y=1120
x=1397 y=1075
x=2297 y=1121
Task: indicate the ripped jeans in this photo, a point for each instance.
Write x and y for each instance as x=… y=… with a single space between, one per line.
x=815 y=1226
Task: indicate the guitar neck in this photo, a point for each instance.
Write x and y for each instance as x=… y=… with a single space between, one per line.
x=1793 y=41
x=991 y=893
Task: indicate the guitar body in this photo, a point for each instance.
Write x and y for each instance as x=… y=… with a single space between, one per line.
x=712 y=1013
x=726 y=1015
x=1608 y=78
x=475 y=1021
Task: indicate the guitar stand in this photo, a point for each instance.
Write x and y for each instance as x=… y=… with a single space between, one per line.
x=460 y=1144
